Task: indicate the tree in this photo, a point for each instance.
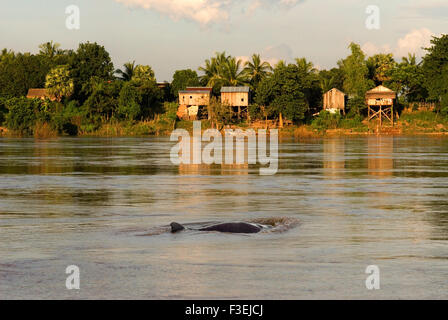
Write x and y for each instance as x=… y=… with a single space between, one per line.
x=22 y=114
x=356 y=82
x=143 y=73
x=183 y=79
x=128 y=72
x=311 y=83
x=129 y=102
x=90 y=61
x=50 y=49
x=256 y=70
x=151 y=95
x=59 y=83
x=380 y=67
x=22 y=72
x=6 y=55
x=435 y=68
x=103 y=101
x=211 y=69
x=222 y=70
x=283 y=93
x=408 y=80
x=231 y=73
x=330 y=79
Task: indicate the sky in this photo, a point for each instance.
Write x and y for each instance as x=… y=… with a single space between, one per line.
x=177 y=34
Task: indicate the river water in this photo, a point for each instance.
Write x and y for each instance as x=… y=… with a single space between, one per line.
x=104 y=206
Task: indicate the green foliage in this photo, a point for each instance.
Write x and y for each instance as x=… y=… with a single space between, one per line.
x=223 y=70
x=435 y=68
x=151 y=98
x=22 y=114
x=381 y=66
x=59 y=83
x=356 y=106
x=90 y=61
x=21 y=72
x=257 y=112
x=219 y=113
x=408 y=80
x=128 y=72
x=170 y=110
x=356 y=82
x=327 y=121
x=183 y=79
x=129 y=102
x=329 y=79
x=103 y=101
x=3 y=110
x=256 y=70
x=143 y=73
x=284 y=93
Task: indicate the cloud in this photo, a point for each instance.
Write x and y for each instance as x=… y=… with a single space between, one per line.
x=435 y=9
x=203 y=11
x=413 y=42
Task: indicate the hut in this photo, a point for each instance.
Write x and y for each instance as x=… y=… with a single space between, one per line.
x=334 y=101
x=380 y=103
x=40 y=94
x=237 y=98
x=192 y=100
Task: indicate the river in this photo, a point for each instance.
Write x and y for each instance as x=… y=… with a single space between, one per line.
x=104 y=206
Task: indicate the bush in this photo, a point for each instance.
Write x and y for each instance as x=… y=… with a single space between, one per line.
x=129 y=102
x=356 y=106
x=256 y=112
x=326 y=120
x=22 y=114
x=3 y=110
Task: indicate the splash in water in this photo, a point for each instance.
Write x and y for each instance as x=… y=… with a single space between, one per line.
x=268 y=225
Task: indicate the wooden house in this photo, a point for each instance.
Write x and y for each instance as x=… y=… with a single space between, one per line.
x=40 y=94
x=380 y=102
x=237 y=98
x=192 y=100
x=334 y=101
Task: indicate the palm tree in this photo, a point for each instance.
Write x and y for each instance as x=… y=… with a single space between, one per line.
x=305 y=66
x=231 y=73
x=410 y=59
x=280 y=64
x=212 y=67
x=327 y=84
x=6 y=54
x=50 y=49
x=256 y=70
x=128 y=72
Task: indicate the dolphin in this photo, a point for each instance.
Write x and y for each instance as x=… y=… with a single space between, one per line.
x=230 y=227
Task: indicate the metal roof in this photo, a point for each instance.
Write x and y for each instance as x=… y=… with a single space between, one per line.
x=194 y=91
x=381 y=89
x=234 y=89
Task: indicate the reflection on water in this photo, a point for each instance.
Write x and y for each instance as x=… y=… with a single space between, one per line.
x=380 y=152
x=360 y=201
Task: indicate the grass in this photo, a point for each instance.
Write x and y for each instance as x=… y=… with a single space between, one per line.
x=423 y=121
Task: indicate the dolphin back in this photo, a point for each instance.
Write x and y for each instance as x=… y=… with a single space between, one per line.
x=176 y=227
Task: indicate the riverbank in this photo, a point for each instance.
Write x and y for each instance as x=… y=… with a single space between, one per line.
x=413 y=123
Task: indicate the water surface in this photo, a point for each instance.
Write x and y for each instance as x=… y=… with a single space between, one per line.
x=104 y=204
